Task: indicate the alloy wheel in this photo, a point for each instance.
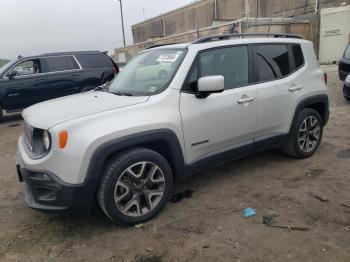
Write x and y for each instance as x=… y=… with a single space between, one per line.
x=139 y=189
x=309 y=134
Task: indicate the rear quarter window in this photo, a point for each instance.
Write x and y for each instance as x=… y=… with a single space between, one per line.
x=95 y=60
x=298 y=56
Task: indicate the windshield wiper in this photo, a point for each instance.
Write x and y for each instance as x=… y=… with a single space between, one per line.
x=104 y=87
x=120 y=93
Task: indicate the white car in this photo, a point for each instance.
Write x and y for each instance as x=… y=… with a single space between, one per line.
x=223 y=97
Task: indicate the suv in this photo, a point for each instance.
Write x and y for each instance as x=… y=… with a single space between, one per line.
x=223 y=97
x=30 y=80
x=344 y=64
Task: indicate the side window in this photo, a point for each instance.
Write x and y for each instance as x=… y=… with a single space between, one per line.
x=347 y=52
x=272 y=62
x=298 y=56
x=230 y=62
x=28 y=67
x=60 y=63
x=96 y=60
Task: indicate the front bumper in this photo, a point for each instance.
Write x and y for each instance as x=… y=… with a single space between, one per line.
x=46 y=192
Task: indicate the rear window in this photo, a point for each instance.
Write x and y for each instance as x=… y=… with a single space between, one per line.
x=60 y=63
x=95 y=60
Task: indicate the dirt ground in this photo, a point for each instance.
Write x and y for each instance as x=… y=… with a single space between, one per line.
x=312 y=193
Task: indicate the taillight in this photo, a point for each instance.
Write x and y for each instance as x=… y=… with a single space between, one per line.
x=325 y=77
x=114 y=70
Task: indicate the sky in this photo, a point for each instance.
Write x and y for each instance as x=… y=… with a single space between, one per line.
x=32 y=27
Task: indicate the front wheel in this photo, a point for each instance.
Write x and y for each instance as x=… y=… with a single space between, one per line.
x=136 y=185
x=306 y=134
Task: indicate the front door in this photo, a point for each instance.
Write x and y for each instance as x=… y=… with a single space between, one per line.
x=24 y=89
x=222 y=121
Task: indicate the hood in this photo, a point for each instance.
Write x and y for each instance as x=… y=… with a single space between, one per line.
x=50 y=113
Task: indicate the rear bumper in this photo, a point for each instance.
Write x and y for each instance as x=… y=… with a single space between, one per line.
x=44 y=191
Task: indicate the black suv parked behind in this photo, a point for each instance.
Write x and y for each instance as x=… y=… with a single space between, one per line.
x=344 y=64
x=30 y=80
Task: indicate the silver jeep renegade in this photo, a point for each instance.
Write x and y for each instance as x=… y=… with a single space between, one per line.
x=171 y=112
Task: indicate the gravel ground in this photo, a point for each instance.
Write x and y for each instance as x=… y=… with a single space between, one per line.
x=312 y=193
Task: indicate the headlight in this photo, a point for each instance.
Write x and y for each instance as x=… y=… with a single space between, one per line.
x=46 y=140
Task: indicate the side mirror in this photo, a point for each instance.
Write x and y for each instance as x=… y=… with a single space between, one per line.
x=347 y=81
x=210 y=84
x=12 y=73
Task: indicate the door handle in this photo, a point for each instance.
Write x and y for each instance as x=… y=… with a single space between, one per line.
x=246 y=99
x=295 y=88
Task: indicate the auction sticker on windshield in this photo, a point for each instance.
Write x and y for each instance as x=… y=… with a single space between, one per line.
x=170 y=58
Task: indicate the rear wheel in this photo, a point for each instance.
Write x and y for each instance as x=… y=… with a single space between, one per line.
x=305 y=135
x=136 y=185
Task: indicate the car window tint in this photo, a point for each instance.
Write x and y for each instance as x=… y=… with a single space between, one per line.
x=191 y=83
x=298 y=56
x=60 y=63
x=272 y=62
x=28 y=67
x=347 y=53
x=230 y=62
x=96 y=60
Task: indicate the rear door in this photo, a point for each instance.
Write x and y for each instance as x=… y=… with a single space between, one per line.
x=63 y=76
x=24 y=89
x=278 y=85
x=98 y=68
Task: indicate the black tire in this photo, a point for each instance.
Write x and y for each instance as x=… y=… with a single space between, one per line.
x=292 y=148
x=113 y=171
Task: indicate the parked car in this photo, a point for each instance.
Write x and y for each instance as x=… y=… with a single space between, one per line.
x=344 y=64
x=224 y=97
x=34 y=79
x=346 y=88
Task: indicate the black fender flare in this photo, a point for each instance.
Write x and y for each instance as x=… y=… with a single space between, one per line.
x=107 y=149
x=309 y=101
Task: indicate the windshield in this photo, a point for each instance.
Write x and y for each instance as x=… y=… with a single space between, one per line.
x=149 y=72
x=4 y=67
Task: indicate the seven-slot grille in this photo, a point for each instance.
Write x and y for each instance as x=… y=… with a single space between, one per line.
x=28 y=135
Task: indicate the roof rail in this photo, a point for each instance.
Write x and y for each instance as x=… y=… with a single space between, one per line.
x=237 y=35
x=154 y=46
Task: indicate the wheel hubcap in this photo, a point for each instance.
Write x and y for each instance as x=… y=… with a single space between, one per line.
x=139 y=189
x=309 y=134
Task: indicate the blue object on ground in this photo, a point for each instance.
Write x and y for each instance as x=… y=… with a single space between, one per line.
x=249 y=212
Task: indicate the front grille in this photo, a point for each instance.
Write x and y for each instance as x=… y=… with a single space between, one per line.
x=28 y=136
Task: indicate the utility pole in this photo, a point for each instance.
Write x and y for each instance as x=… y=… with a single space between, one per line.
x=121 y=14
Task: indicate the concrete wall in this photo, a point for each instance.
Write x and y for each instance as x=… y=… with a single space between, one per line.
x=334 y=33
x=300 y=28
x=204 y=14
